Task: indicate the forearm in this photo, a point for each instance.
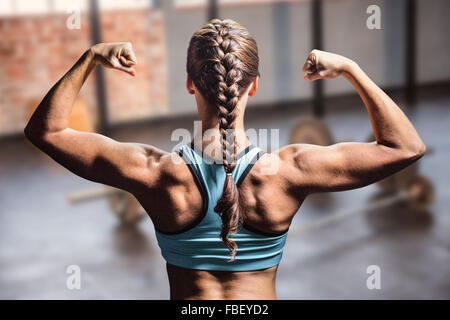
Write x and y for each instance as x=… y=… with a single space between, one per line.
x=390 y=125
x=53 y=113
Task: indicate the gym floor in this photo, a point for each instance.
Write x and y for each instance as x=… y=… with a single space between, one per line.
x=41 y=234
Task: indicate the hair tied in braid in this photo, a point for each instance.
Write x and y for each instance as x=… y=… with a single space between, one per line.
x=222 y=61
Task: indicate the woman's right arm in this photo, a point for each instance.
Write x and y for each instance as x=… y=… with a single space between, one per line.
x=350 y=165
x=90 y=155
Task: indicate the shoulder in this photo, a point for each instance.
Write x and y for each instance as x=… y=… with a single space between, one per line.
x=301 y=157
x=169 y=168
x=272 y=168
x=154 y=166
x=292 y=152
x=290 y=166
x=272 y=193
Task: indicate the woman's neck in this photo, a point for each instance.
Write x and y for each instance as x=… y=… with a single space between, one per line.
x=209 y=139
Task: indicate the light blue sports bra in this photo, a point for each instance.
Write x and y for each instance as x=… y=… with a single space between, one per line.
x=200 y=246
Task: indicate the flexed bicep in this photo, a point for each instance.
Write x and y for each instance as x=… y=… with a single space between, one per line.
x=350 y=165
x=342 y=166
x=90 y=155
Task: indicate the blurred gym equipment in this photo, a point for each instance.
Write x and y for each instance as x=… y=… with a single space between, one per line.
x=418 y=193
x=123 y=204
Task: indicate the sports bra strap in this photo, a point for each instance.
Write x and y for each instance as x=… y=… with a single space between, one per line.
x=249 y=167
x=194 y=157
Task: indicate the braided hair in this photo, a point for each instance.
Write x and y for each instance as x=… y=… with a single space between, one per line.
x=223 y=61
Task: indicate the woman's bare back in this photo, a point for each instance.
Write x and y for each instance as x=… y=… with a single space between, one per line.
x=177 y=202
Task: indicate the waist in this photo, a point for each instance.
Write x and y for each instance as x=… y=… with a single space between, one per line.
x=203 y=284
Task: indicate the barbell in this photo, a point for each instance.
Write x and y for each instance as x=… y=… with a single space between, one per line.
x=123 y=204
x=418 y=193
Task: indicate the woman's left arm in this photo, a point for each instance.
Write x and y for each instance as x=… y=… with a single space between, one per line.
x=90 y=155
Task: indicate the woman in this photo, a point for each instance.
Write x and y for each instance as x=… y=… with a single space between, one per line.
x=221 y=217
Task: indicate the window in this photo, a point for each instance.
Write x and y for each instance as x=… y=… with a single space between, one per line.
x=23 y=7
x=186 y=4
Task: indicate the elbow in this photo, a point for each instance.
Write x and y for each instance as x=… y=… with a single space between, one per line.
x=422 y=149
x=416 y=151
x=33 y=135
x=27 y=132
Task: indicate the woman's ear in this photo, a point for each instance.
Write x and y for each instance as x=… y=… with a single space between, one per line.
x=254 y=87
x=190 y=85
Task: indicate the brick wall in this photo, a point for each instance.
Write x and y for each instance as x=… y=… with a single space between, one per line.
x=146 y=94
x=36 y=50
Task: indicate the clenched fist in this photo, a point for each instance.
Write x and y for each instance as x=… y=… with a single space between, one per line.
x=116 y=55
x=324 y=65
